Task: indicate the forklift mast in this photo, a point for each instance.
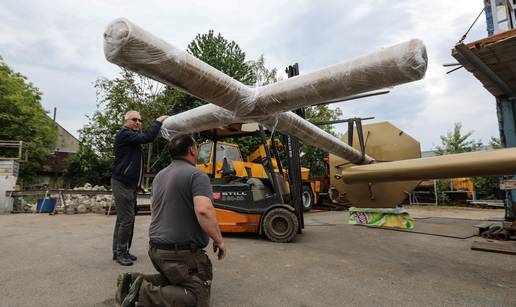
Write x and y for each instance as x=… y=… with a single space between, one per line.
x=293 y=163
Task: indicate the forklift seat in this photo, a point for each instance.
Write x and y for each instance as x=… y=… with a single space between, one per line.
x=228 y=171
x=258 y=189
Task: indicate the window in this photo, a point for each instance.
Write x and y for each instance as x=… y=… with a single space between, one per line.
x=229 y=152
x=204 y=153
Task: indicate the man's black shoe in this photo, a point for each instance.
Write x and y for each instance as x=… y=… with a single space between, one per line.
x=132 y=296
x=124 y=260
x=132 y=257
x=123 y=283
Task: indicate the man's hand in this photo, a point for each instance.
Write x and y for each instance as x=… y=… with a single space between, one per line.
x=161 y=118
x=220 y=247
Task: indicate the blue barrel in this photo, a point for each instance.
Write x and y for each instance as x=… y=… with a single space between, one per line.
x=45 y=205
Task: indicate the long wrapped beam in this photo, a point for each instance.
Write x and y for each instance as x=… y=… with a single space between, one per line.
x=211 y=116
x=130 y=46
x=480 y=163
x=308 y=133
x=401 y=63
x=202 y=118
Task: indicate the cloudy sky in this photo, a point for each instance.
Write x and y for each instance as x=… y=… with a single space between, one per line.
x=58 y=46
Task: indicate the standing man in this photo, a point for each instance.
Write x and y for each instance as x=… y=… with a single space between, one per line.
x=127 y=178
x=182 y=221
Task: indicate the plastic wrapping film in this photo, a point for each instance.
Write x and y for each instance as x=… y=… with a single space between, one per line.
x=205 y=117
x=128 y=45
x=202 y=118
x=308 y=133
x=391 y=66
x=211 y=116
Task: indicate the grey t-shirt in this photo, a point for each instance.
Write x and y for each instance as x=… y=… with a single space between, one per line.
x=173 y=217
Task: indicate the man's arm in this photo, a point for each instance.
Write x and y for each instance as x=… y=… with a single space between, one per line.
x=142 y=138
x=207 y=218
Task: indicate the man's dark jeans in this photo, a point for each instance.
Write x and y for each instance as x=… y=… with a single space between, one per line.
x=125 y=202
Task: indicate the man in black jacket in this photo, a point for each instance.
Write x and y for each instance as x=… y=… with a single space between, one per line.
x=127 y=178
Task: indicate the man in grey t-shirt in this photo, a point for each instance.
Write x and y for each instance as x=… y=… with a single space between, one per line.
x=182 y=221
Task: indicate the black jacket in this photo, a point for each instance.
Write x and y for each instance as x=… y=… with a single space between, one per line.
x=128 y=164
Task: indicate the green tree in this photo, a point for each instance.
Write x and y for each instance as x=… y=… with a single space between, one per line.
x=312 y=157
x=495 y=143
x=115 y=97
x=486 y=187
x=262 y=74
x=453 y=142
x=24 y=119
x=86 y=166
x=226 y=56
x=443 y=185
x=128 y=91
x=456 y=142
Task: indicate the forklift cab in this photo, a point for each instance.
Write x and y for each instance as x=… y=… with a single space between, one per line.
x=225 y=162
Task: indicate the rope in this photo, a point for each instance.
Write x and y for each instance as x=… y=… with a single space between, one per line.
x=467 y=32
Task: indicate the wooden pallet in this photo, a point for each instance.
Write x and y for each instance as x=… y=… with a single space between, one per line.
x=506 y=247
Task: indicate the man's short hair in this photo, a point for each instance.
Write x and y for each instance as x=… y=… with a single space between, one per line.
x=126 y=116
x=179 y=145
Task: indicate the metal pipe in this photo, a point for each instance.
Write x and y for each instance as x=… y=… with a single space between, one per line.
x=338 y=121
x=502 y=234
x=353 y=97
x=480 y=163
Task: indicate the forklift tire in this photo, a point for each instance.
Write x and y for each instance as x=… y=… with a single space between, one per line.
x=280 y=225
x=308 y=198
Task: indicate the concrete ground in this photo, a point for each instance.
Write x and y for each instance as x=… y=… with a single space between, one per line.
x=65 y=260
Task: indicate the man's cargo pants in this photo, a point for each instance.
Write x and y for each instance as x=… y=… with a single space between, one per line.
x=184 y=279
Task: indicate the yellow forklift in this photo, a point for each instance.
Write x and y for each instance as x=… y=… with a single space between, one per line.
x=251 y=197
x=311 y=188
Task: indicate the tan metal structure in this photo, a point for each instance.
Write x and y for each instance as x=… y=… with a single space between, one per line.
x=384 y=142
x=399 y=168
x=480 y=163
